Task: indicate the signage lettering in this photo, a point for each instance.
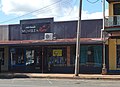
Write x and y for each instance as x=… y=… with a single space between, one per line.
x=35 y=28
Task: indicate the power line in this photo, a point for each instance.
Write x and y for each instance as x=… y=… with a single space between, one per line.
x=32 y=11
x=68 y=13
x=66 y=3
x=72 y=8
x=92 y=2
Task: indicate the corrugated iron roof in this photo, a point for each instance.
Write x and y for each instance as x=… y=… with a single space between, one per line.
x=57 y=41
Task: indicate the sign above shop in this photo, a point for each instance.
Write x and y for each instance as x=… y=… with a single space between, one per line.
x=35 y=28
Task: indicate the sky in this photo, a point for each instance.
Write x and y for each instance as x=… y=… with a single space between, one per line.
x=12 y=11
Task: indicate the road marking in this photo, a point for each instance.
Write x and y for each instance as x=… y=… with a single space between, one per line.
x=49 y=81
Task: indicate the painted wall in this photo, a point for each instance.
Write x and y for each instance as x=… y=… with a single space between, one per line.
x=61 y=29
x=113 y=53
x=4 y=32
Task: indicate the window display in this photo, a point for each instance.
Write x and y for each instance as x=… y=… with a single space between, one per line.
x=29 y=57
x=56 y=57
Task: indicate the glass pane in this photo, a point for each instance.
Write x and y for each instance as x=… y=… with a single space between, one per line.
x=116 y=9
x=2 y=56
x=56 y=57
x=118 y=56
x=29 y=57
x=38 y=56
x=98 y=55
x=90 y=53
x=17 y=56
x=83 y=53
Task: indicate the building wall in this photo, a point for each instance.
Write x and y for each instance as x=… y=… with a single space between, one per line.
x=4 y=31
x=14 y=32
x=66 y=29
x=91 y=28
x=114 y=55
x=61 y=30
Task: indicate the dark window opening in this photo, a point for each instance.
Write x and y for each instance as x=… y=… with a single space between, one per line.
x=116 y=11
x=17 y=57
x=116 y=8
x=118 y=56
x=2 y=56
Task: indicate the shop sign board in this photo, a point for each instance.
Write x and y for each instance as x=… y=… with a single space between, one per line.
x=35 y=28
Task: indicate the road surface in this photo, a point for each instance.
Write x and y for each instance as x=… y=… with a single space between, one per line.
x=40 y=82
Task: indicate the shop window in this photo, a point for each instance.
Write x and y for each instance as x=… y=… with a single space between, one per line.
x=2 y=55
x=89 y=55
x=118 y=56
x=17 y=56
x=29 y=57
x=56 y=57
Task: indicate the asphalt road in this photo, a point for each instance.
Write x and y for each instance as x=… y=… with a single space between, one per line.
x=37 y=82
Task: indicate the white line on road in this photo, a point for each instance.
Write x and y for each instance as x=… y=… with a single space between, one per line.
x=49 y=81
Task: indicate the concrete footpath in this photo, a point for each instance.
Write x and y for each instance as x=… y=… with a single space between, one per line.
x=58 y=76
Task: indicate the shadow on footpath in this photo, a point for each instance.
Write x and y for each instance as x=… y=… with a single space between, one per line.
x=12 y=76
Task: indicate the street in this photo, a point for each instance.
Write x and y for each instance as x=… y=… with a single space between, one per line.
x=40 y=82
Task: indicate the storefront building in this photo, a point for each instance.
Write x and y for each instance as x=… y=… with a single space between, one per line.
x=42 y=45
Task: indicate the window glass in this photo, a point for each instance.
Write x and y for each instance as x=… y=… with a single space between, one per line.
x=17 y=56
x=116 y=8
x=83 y=55
x=56 y=57
x=2 y=55
x=29 y=57
x=98 y=55
x=89 y=55
x=118 y=56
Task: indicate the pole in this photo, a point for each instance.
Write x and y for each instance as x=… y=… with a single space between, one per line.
x=104 y=70
x=78 y=41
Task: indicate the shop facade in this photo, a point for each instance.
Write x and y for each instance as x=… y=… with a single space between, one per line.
x=45 y=46
x=55 y=58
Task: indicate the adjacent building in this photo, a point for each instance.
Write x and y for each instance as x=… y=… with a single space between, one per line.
x=112 y=27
